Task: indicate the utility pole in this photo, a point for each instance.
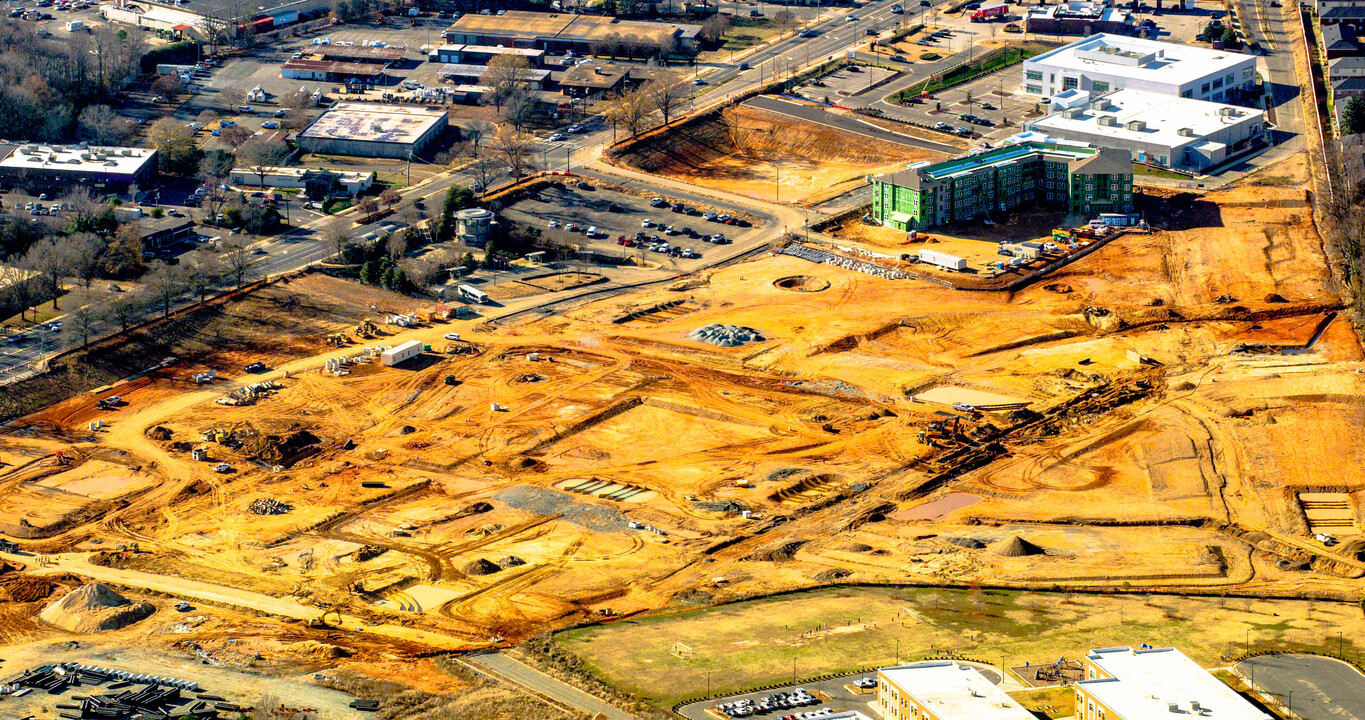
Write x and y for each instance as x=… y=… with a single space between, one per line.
x=409 y=167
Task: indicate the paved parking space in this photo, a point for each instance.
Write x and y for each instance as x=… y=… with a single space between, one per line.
x=613 y=214
x=995 y=97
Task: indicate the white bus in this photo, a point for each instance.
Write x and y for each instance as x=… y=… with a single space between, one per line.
x=475 y=294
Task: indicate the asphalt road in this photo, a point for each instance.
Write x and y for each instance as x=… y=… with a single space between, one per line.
x=529 y=677
x=1316 y=688
x=844 y=122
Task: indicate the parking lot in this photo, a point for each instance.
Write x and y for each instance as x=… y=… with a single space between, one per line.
x=831 y=694
x=616 y=215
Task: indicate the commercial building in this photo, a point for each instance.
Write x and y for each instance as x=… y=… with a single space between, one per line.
x=370 y=130
x=943 y=690
x=568 y=31
x=206 y=19
x=316 y=184
x=462 y=74
x=1127 y=684
x=1103 y=63
x=481 y=54
x=1079 y=18
x=1173 y=132
x=594 y=80
x=107 y=167
x=473 y=226
x=1071 y=177
x=358 y=54
x=330 y=71
x=160 y=233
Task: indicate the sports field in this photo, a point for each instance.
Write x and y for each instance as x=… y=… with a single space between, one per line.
x=758 y=642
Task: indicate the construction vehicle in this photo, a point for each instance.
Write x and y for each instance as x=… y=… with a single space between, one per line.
x=1061 y=236
x=330 y=618
x=337 y=339
x=60 y=459
x=365 y=329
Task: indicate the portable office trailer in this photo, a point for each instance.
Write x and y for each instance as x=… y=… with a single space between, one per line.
x=401 y=353
x=943 y=260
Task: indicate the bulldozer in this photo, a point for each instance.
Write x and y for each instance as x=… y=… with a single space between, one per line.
x=337 y=339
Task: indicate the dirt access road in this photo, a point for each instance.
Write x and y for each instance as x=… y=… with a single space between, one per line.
x=76 y=564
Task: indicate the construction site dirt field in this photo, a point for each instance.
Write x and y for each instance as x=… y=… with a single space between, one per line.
x=1158 y=417
x=768 y=156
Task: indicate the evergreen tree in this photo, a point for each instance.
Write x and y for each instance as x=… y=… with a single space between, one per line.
x=369 y=273
x=1353 y=119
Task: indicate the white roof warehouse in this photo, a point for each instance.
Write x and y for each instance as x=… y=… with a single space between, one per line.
x=100 y=166
x=1103 y=63
x=368 y=130
x=1127 y=684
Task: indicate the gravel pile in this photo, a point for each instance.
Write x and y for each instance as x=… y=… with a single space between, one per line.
x=94 y=608
x=268 y=506
x=725 y=335
x=544 y=501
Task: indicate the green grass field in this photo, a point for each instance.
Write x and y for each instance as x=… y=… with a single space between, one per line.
x=758 y=642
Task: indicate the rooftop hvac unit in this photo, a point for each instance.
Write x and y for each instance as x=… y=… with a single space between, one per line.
x=110 y=163
x=85 y=156
x=1136 y=125
x=1108 y=121
x=1229 y=111
x=1072 y=113
x=1185 y=132
x=126 y=152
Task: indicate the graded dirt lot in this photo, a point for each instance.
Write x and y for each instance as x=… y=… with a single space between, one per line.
x=1151 y=417
x=768 y=156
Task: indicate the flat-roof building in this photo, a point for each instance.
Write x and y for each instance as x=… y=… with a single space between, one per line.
x=1103 y=63
x=316 y=184
x=1072 y=177
x=358 y=54
x=65 y=164
x=331 y=71
x=481 y=54
x=369 y=130
x=943 y=690
x=1162 y=130
x=1127 y=684
x=1079 y=18
x=568 y=31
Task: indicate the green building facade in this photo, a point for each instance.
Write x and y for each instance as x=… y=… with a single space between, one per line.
x=1078 y=179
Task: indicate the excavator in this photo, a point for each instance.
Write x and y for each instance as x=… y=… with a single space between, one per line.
x=329 y=619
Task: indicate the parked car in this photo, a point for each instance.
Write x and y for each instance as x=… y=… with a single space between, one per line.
x=452 y=336
x=254 y=367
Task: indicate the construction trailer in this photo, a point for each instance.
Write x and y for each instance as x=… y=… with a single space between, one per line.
x=401 y=353
x=943 y=260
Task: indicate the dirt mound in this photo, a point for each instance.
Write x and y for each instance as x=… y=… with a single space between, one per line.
x=832 y=574
x=801 y=283
x=159 y=433
x=94 y=608
x=482 y=566
x=781 y=553
x=280 y=450
x=1275 y=298
x=857 y=547
x=1016 y=547
x=511 y=561
x=321 y=651
x=405 y=430
x=966 y=542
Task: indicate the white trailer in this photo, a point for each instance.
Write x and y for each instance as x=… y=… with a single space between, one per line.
x=74 y=25
x=401 y=353
x=943 y=260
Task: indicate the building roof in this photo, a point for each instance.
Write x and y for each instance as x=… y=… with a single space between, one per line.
x=78 y=159
x=338 y=68
x=374 y=123
x=568 y=27
x=1108 y=161
x=304 y=173
x=530 y=75
x=595 y=76
x=364 y=54
x=1081 y=11
x=1162 y=117
x=1147 y=682
x=1141 y=59
x=496 y=50
x=1347 y=63
x=230 y=9
x=1339 y=37
x=1350 y=12
x=949 y=690
x=1350 y=84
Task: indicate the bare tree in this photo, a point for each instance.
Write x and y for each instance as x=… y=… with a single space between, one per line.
x=50 y=259
x=518 y=107
x=235 y=136
x=368 y=206
x=390 y=197
x=337 y=231
x=630 y=109
x=232 y=97
x=714 y=28
x=785 y=19
x=484 y=170
x=396 y=244
x=82 y=322
x=238 y=261
x=478 y=131
x=516 y=152
x=87 y=257
x=504 y=76
x=100 y=125
x=164 y=282
x=666 y=92
x=260 y=156
x=126 y=309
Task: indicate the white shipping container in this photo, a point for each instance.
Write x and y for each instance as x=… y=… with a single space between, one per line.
x=944 y=260
x=401 y=353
